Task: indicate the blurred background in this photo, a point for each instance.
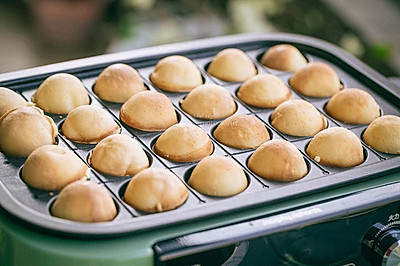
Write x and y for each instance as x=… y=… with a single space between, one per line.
x=39 y=32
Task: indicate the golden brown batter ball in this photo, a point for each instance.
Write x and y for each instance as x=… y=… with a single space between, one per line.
x=316 y=79
x=60 y=93
x=117 y=83
x=283 y=57
x=278 y=160
x=148 y=111
x=84 y=201
x=383 y=134
x=184 y=143
x=298 y=118
x=9 y=99
x=336 y=146
x=176 y=73
x=218 y=176
x=264 y=91
x=242 y=132
x=118 y=155
x=209 y=101
x=353 y=106
x=155 y=190
x=89 y=124
x=52 y=167
x=232 y=65
x=24 y=129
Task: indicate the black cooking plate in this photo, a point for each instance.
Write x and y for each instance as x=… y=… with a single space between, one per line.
x=32 y=206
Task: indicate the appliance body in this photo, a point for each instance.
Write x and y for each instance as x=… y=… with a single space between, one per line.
x=349 y=230
x=301 y=223
x=320 y=229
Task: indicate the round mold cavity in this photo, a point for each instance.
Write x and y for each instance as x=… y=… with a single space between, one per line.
x=365 y=157
x=178 y=117
x=89 y=155
x=108 y=102
x=53 y=199
x=64 y=115
x=376 y=151
x=206 y=119
x=324 y=108
x=60 y=124
x=153 y=143
x=121 y=192
x=189 y=171
x=203 y=81
x=342 y=87
x=271 y=136
x=122 y=189
x=325 y=120
x=21 y=177
x=308 y=164
x=207 y=65
x=252 y=107
x=260 y=55
x=85 y=177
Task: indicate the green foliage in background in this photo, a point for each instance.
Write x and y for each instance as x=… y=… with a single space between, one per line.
x=313 y=18
x=131 y=24
x=308 y=17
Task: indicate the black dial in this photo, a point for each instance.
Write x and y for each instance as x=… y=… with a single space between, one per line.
x=381 y=244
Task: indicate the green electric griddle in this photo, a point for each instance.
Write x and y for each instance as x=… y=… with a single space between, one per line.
x=31 y=236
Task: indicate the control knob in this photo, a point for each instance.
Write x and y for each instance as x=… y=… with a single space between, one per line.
x=381 y=244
